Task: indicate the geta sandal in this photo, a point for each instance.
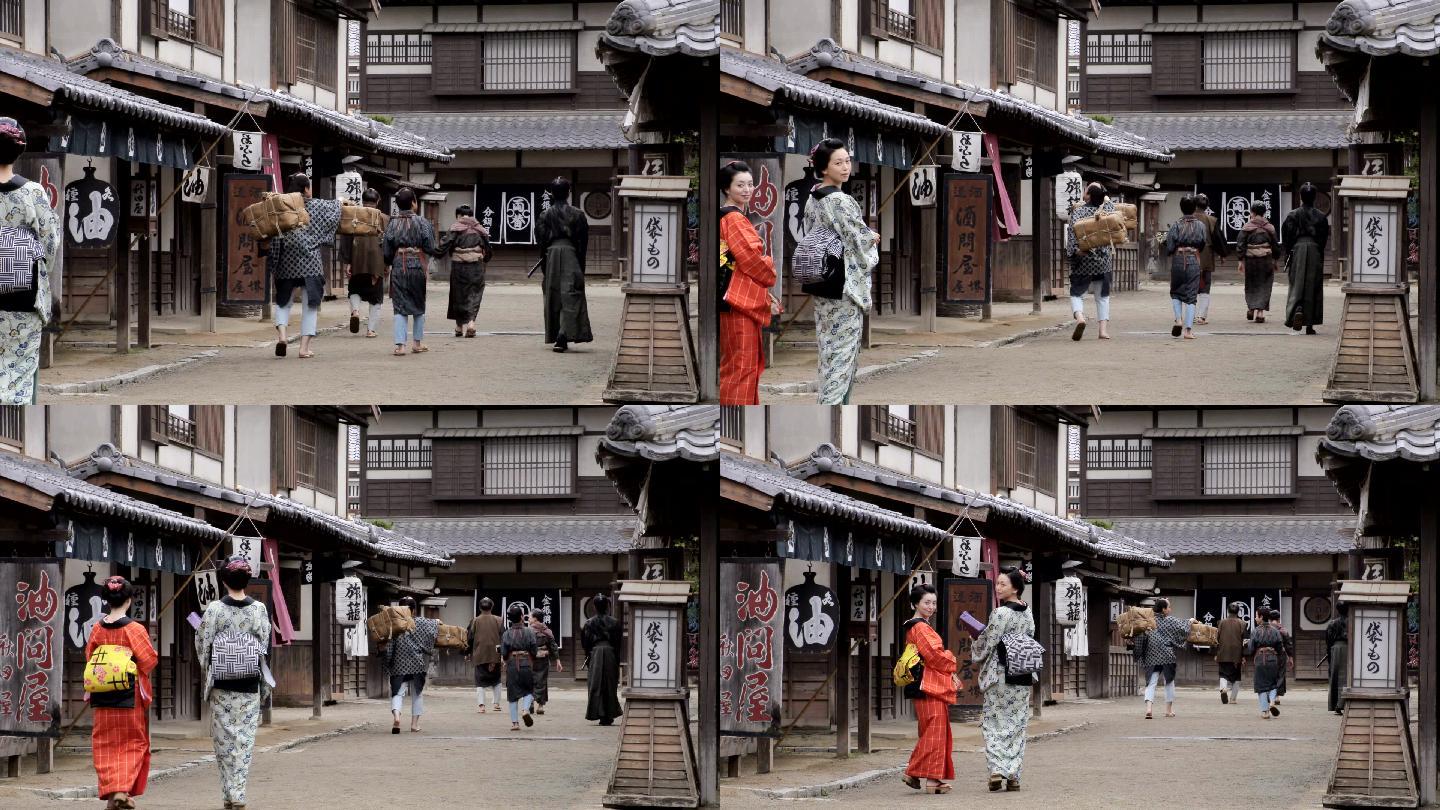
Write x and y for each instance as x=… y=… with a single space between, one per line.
x=996 y=781
x=912 y=781
x=280 y=348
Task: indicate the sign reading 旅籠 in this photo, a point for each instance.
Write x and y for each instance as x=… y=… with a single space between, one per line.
x=31 y=628
x=350 y=607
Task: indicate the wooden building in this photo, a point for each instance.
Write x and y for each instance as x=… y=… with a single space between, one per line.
x=1236 y=91
x=1236 y=497
x=1383 y=461
x=517 y=91
x=516 y=496
x=892 y=79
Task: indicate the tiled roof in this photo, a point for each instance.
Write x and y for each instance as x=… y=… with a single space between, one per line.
x=528 y=536
x=1222 y=432
x=1385 y=27
x=1189 y=132
x=779 y=484
x=1190 y=537
x=511 y=131
x=501 y=432
x=368 y=537
x=1085 y=536
x=367 y=132
x=1103 y=138
x=1385 y=432
x=664 y=432
x=87 y=498
x=664 y=27
x=775 y=77
x=53 y=75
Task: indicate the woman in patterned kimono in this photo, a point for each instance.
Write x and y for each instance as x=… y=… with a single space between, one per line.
x=468 y=245
x=1006 y=711
x=24 y=204
x=120 y=740
x=294 y=261
x=234 y=704
x=839 y=321
x=546 y=651
x=407 y=657
x=1267 y=648
x=1183 y=244
x=1169 y=635
x=931 y=760
x=564 y=235
x=409 y=241
x=747 y=306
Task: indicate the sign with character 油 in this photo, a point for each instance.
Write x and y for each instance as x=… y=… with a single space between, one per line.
x=812 y=615
x=751 y=665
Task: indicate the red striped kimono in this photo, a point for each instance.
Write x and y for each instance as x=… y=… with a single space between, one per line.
x=742 y=357
x=121 y=738
x=932 y=757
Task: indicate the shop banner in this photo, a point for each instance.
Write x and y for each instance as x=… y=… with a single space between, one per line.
x=966 y=562
x=1230 y=205
x=542 y=602
x=98 y=138
x=817 y=543
x=878 y=146
x=350 y=608
x=751 y=663
x=195 y=185
x=98 y=543
x=923 y=188
x=31 y=632
x=1210 y=603
x=812 y=615
x=509 y=213
x=967 y=276
x=83 y=609
x=207 y=588
x=1069 y=601
x=971 y=595
x=966 y=151
x=244 y=268
x=246 y=150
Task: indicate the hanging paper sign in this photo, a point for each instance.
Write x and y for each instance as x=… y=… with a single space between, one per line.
x=1069 y=601
x=247 y=150
x=249 y=548
x=966 y=151
x=1069 y=189
x=92 y=209
x=751 y=667
x=1027 y=167
x=966 y=562
x=349 y=188
x=195 y=185
x=139 y=204
x=812 y=614
x=349 y=601
x=207 y=588
x=83 y=609
x=923 y=187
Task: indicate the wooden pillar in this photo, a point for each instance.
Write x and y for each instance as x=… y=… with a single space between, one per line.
x=1041 y=602
x=709 y=705
x=866 y=667
x=708 y=341
x=1429 y=593
x=1039 y=244
x=146 y=270
x=929 y=271
x=1429 y=245
x=209 y=273
x=44 y=755
x=320 y=646
x=842 y=668
x=121 y=279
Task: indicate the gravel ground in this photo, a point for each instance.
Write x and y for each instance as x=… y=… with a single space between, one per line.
x=1231 y=361
x=462 y=759
x=507 y=362
x=1210 y=756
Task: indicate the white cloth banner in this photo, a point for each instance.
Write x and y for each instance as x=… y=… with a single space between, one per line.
x=966 y=562
x=966 y=154
x=246 y=150
x=248 y=547
x=195 y=185
x=357 y=642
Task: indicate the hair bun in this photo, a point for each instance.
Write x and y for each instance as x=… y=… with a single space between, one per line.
x=115 y=583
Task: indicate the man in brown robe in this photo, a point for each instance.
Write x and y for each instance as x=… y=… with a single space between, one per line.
x=485 y=632
x=1215 y=245
x=1230 y=651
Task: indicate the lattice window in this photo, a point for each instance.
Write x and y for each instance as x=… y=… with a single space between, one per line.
x=316 y=454
x=1249 y=465
x=398 y=453
x=316 y=49
x=398 y=48
x=209 y=423
x=1036 y=454
x=12 y=425
x=12 y=18
x=732 y=424
x=531 y=60
x=732 y=18
x=1036 y=55
x=529 y=465
x=1249 y=60
x=1117 y=49
x=1118 y=454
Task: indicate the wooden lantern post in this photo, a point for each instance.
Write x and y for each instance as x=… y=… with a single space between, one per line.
x=1375 y=765
x=1375 y=361
x=655 y=761
x=655 y=361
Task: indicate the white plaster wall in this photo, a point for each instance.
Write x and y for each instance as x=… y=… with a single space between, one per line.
x=393 y=423
x=796 y=430
x=1117 y=475
x=75 y=25
x=457 y=419
x=585 y=45
x=1119 y=18
x=796 y=25
x=1248 y=12
x=1177 y=419
x=399 y=18
x=596 y=15
x=527 y=12
x=398 y=475
x=567 y=159
x=1316 y=14
x=1305 y=448
x=972 y=447
x=1289 y=159
x=33 y=32
x=1248 y=417
x=971 y=31
x=75 y=430
x=1119 y=423
x=1118 y=70
x=894 y=457
x=1308 y=61
x=528 y=417
x=1180 y=13
x=252 y=27
x=36 y=444
x=756 y=417
x=561 y=564
x=1317 y=418
x=252 y=447
x=588 y=466
x=446 y=14
x=599 y=418
x=929 y=469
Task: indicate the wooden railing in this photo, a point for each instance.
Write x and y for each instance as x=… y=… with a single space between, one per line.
x=178 y=24
x=176 y=429
x=891 y=427
x=899 y=24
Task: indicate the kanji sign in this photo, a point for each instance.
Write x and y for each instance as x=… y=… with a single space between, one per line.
x=923 y=186
x=31 y=630
x=1210 y=604
x=195 y=185
x=1069 y=601
x=653 y=661
x=1069 y=189
x=542 y=602
x=350 y=608
x=247 y=150
x=349 y=188
x=751 y=665
x=1373 y=656
x=244 y=269
x=249 y=548
x=1376 y=225
x=655 y=257
x=509 y=213
x=92 y=210
x=812 y=615
x=966 y=156
x=207 y=587
x=967 y=240
x=966 y=562
x=973 y=596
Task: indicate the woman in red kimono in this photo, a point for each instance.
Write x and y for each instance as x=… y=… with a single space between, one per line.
x=746 y=305
x=121 y=739
x=932 y=760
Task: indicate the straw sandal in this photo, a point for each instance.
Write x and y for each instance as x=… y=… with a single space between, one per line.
x=280 y=348
x=1079 y=331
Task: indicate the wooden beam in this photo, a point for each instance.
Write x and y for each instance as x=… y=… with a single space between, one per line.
x=145 y=289
x=978 y=513
x=708 y=747
x=19 y=493
x=1429 y=244
x=120 y=289
x=741 y=89
x=708 y=345
x=124 y=483
x=866 y=666
x=844 y=77
x=22 y=89
x=1039 y=243
x=841 y=692
x=139 y=81
x=741 y=494
x=319 y=646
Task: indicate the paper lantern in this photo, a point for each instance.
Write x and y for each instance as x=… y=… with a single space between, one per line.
x=1069 y=191
x=1069 y=601
x=350 y=606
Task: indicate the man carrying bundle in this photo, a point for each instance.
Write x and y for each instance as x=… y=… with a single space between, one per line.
x=294 y=262
x=1231 y=651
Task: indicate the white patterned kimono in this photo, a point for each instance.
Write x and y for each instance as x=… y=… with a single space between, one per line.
x=27 y=207
x=235 y=716
x=1006 y=712
x=839 y=322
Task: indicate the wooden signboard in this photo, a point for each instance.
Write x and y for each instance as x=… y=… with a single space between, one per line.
x=973 y=595
x=771 y=207
x=967 y=281
x=31 y=659
x=244 y=268
x=751 y=652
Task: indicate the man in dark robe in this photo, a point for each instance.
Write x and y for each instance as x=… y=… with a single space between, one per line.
x=1337 y=646
x=601 y=637
x=1215 y=245
x=1183 y=243
x=546 y=651
x=1304 y=234
x=468 y=245
x=564 y=235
